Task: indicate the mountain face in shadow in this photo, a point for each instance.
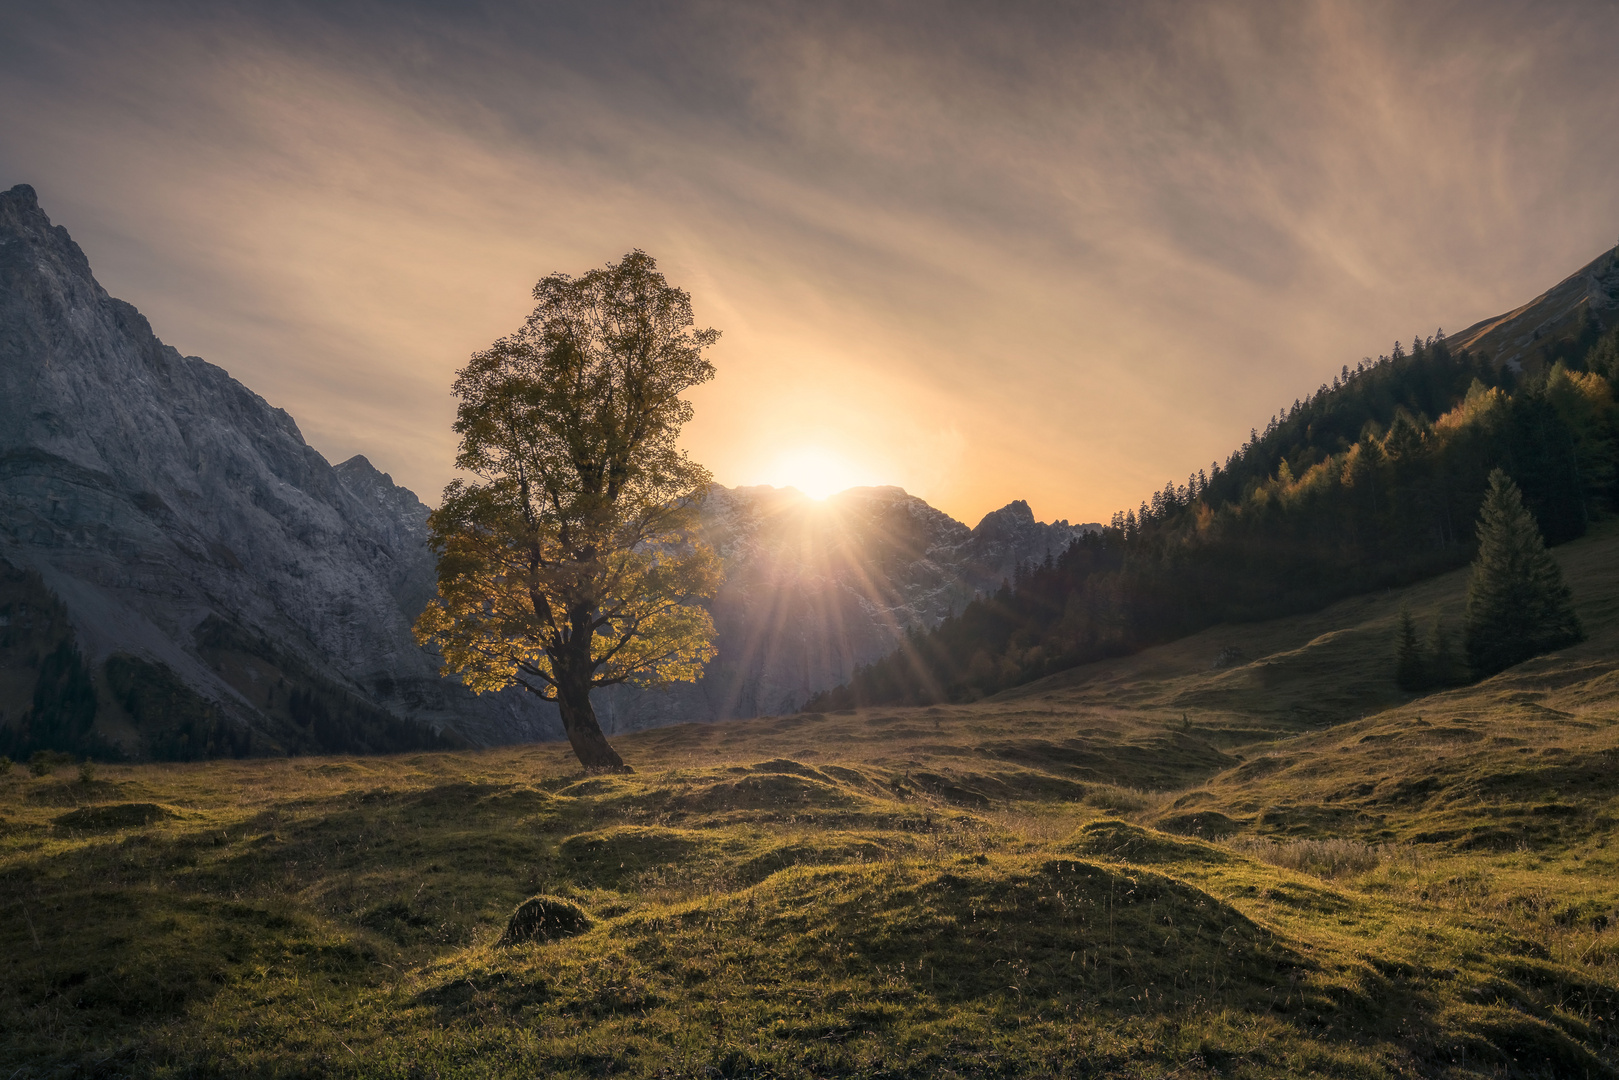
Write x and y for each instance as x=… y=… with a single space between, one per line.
x=227 y=573
x=184 y=576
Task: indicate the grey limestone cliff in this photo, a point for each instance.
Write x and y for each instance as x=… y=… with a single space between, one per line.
x=1587 y=301
x=161 y=500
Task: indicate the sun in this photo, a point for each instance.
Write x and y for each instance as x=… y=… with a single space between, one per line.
x=817 y=472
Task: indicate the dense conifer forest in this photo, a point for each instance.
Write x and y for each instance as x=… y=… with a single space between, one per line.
x=1374 y=481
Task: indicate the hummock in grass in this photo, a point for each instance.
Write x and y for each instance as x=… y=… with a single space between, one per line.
x=544 y=918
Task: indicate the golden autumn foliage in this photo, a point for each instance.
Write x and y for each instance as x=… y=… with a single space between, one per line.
x=491 y=632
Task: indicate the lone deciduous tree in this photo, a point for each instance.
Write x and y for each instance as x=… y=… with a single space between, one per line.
x=571 y=563
x=1518 y=605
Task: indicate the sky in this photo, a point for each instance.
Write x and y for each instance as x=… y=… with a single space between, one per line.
x=1062 y=252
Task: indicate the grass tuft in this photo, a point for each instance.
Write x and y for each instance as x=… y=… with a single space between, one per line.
x=544 y=918
x=1327 y=858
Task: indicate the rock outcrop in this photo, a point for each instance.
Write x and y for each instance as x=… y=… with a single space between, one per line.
x=229 y=591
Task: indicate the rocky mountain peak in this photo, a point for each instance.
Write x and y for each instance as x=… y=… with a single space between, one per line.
x=1015 y=516
x=376 y=488
x=1589 y=296
x=27 y=225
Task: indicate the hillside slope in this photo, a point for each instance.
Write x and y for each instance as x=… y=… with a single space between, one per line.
x=1371 y=482
x=1582 y=305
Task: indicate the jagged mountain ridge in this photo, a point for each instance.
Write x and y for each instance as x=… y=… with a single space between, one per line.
x=182 y=521
x=814 y=589
x=1589 y=297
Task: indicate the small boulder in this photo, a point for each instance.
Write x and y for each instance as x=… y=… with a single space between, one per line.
x=544 y=918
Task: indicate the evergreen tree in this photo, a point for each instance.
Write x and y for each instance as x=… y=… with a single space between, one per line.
x=1444 y=666
x=1371 y=486
x=1410 y=665
x=1518 y=605
x=1604 y=355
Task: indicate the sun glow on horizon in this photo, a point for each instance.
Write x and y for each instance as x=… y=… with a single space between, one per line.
x=818 y=472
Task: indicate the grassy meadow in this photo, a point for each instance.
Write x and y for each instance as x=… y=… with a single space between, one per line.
x=1242 y=854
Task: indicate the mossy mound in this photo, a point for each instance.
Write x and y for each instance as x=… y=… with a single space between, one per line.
x=1209 y=823
x=346 y=770
x=462 y=796
x=833 y=850
x=776 y=791
x=608 y=856
x=114 y=816
x=768 y=790
x=1508 y=1041
x=544 y=918
x=1075 y=933
x=1120 y=840
x=790 y=767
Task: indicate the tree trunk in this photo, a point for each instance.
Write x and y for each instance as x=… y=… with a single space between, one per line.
x=584 y=733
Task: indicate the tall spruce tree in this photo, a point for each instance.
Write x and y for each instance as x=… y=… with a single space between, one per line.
x=1518 y=605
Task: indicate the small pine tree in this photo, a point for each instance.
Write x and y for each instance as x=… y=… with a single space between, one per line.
x=1410 y=665
x=1444 y=666
x=1518 y=605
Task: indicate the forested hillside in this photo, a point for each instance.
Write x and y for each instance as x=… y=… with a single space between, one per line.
x=1373 y=481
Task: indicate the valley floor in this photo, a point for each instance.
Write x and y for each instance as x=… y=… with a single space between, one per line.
x=1154 y=866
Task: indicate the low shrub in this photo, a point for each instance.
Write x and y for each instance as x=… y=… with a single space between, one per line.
x=44 y=762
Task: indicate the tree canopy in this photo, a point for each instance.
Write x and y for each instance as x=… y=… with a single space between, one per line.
x=570 y=563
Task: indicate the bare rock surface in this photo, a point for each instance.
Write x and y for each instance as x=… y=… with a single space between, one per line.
x=1590 y=295
x=151 y=491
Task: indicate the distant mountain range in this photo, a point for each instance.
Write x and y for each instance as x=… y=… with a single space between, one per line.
x=814 y=589
x=181 y=575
